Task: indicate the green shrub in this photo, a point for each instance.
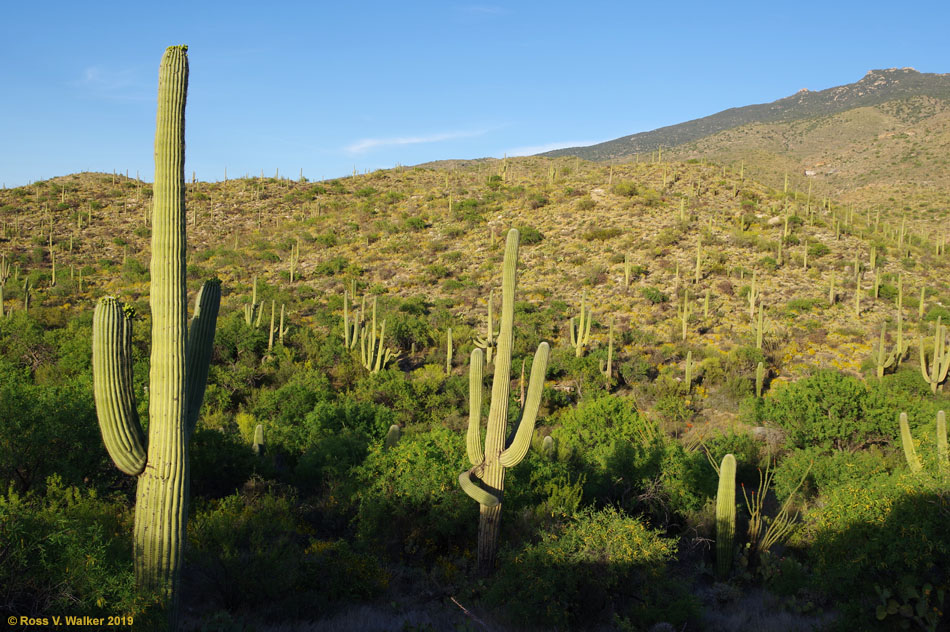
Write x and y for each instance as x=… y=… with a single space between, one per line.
x=252 y=552
x=825 y=470
x=600 y=565
x=530 y=235
x=616 y=449
x=654 y=295
x=876 y=532
x=407 y=500
x=67 y=552
x=828 y=409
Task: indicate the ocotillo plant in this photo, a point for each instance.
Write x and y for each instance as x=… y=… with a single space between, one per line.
x=178 y=365
x=725 y=514
x=580 y=328
x=936 y=374
x=485 y=481
x=490 y=341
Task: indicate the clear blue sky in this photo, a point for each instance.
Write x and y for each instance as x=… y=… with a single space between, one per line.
x=328 y=86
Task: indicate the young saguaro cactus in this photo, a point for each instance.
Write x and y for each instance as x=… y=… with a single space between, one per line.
x=490 y=340
x=580 y=334
x=178 y=365
x=485 y=481
x=939 y=367
x=725 y=514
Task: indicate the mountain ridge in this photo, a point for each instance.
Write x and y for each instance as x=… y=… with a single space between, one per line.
x=876 y=87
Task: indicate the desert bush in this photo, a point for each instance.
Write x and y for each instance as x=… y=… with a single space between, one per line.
x=252 y=551
x=66 y=552
x=601 y=565
x=408 y=501
x=828 y=409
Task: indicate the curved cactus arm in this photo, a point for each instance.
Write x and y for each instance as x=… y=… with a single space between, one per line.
x=520 y=442
x=200 y=345
x=473 y=439
x=470 y=487
x=112 y=383
x=942 y=455
x=907 y=441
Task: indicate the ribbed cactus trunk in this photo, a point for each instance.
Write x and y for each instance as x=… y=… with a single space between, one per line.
x=493 y=476
x=161 y=500
x=725 y=515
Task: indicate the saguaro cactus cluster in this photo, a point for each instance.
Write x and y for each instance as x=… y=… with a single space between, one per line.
x=178 y=365
x=485 y=481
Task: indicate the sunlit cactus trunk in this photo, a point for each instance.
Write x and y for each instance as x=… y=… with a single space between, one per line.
x=179 y=361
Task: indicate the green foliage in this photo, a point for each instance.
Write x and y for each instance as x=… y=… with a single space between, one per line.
x=827 y=470
x=67 y=552
x=828 y=409
x=876 y=532
x=529 y=235
x=616 y=449
x=654 y=295
x=46 y=429
x=602 y=563
x=407 y=501
x=253 y=552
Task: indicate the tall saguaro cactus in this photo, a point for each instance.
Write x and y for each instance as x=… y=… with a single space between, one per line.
x=485 y=481
x=178 y=365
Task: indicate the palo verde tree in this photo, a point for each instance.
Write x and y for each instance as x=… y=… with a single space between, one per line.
x=178 y=365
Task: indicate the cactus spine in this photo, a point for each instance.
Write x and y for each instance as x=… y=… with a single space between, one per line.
x=485 y=481
x=940 y=362
x=178 y=366
x=581 y=336
x=725 y=514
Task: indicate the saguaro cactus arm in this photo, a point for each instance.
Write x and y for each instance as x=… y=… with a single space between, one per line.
x=907 y=441
x=112 y=386
x=519 y=442
x=200 y=346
